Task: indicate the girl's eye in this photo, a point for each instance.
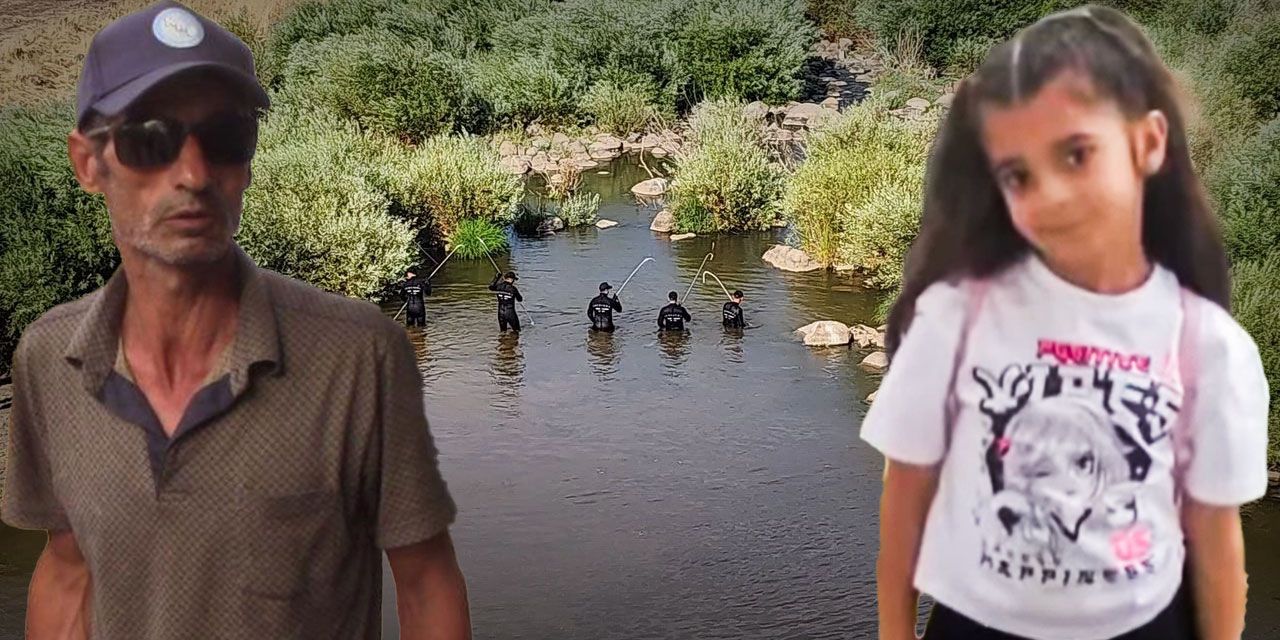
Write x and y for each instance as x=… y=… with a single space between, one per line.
x=1077 y=156
x=1012 y=180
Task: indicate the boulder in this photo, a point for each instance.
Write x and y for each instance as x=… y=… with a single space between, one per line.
x=683 y=236
x=945 y=99
x=517 y=165
x=871 y=398
x=508 y=148
x=542 y=164
x=790 y=259
x=584 y=163
x=605 y=224
x=844 y=43
x=876 y=362
x=557 y=223
x=577 y=147
x=541 y=143
x=650 y=140
x=633 y=138
x=919 y=104
x=800 y=114
x=604 y=154
x=651 y=188
x=559 y=139
x=831 y=103
x=866 y=337
x=864 y=78
x=882 y=328
x=658 y=152
x=755 y=111
x=664 y=222
x=825 y=333
x=606 y=142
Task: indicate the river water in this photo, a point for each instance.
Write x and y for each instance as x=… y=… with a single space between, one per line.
x=626 y=486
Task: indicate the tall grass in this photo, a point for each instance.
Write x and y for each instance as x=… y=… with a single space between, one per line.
x=475 y=238
x=450 y=179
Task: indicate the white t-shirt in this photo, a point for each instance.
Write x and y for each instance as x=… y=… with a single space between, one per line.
x=1055 y=515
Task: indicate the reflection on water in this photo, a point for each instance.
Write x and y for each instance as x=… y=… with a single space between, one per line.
x=704 y=485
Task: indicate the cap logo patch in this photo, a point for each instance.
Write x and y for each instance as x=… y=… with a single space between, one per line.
x=177 y=28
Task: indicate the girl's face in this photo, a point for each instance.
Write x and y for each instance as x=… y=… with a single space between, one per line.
x=1071 y=167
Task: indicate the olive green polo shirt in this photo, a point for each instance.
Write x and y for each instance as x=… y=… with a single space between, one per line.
x=265 y=514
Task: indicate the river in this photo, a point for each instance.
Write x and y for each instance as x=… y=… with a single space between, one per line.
x=626 y=486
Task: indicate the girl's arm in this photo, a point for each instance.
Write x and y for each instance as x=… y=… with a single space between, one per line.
x=1215 y=546
x=904 y=504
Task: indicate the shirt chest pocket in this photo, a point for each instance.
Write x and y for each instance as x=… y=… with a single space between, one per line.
x=295 y=543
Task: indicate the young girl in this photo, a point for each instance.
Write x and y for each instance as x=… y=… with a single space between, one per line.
x=1071 y=415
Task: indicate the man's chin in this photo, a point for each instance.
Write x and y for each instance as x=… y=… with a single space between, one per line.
x=190 y=253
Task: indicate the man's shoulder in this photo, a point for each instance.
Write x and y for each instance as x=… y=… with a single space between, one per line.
x=54 y=329
x=299 y=302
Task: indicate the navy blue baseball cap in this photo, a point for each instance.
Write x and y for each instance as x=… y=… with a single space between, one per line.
x=144 y=49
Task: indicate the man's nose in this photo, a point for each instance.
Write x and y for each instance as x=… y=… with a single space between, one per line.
x=190 y=168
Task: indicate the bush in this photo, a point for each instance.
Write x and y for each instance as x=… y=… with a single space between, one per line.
x=725 y=180
x=580 y=209
x=317 y=209
x=55 y=239
x=857 y=198
x=895 y=86
x=449 y=179
x=966 y=54
x=836 y=17
x=1245 y=186
x=474 y=238
x=1253 y=295
x=529 y=221
x=1221 y=117
x=944 y=22
x=742 y=49
x=620 y=110
x=382 y=81
x=1247 y=51
x=524 y=89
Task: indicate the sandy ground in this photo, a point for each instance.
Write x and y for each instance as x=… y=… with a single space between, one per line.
x=19 y=15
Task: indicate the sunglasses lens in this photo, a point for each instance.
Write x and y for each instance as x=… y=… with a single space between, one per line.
x=228 y=138
x=149 y=143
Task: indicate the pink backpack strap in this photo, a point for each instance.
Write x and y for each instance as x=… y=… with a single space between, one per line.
x=1187 y=365
x=975 y=291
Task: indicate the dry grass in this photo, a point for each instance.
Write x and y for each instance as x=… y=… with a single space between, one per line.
x=40 y=60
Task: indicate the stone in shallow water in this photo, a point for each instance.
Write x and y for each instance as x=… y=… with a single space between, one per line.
x=653 y=187
x=664 y=222
x=825 y=333
x=878 y=361
x=605 y=224
x=683 y=236
x=790 y=259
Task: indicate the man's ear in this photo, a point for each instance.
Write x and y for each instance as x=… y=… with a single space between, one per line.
x=86 y=161
x=1150 y=142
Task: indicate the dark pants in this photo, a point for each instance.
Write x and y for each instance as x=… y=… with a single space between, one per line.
x=418 y=319
x=508 y=320
x=1174 y=623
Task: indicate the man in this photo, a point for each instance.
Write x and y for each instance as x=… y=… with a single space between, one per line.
x=217 y=451
x=673 y=316
x=600 y=309
x=733 y=318
x=508 y=296
x=415 y=290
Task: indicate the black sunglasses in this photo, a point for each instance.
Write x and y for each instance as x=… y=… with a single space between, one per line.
x=225 y=138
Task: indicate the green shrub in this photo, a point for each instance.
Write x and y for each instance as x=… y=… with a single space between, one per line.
x=1253 y=302
x=474 y=238
x=742 y=49
x=857 y=198
x=317 y=210
x=1247 y=51
x=725 y=180
x=943 y=22
x=449 y=179
x=529 y=221
x=836 y=17
x=55 y=239
x=895 y=86
x=382 y=81
x=523 y=89
x=580 y=209
x=966 y=54
x=1245 y=186
x=620 y=110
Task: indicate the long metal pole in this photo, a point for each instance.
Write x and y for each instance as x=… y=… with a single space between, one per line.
x=495 y=268
x=633 y=274
x=722 y=287
x=698 y=273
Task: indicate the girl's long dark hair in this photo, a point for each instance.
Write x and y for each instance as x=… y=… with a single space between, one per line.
x=965 y=229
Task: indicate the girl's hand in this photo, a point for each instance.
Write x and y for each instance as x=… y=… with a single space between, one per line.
x=904 y=505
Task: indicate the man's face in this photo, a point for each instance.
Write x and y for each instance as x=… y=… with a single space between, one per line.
x=181 y=214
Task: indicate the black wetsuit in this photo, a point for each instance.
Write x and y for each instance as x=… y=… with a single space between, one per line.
x=415 y=290
x=600 y=311
x=508 y=296
x=672 y=317
x=733 y=318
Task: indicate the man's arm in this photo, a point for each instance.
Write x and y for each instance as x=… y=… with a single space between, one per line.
x=59 y=597
x=685 y=313
x=617 y=304
x=493 y=286
x=516 y=293
x=431 y=595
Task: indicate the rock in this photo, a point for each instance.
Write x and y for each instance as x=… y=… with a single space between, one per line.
x=534 y=129
x=605 y=154
x=790 y=259
x=633 y=138
x=584 y=163
x=825 y=333
x=755 y=111
x=864 y=78
x=541 y=143
x=800 y=114
x=822 y=119
x=871 y=397
x=577 y=147
x=658 y=152
x=831 y=103
x=945 y=99
x=606 y=142
x=542 y=164
x=650 y=140
x=508 y=148
x=779 y=224
x=557 y=223
x=683 y=236
x=839 y=83
x=515 y=165
x=826 y=79
x=559 y=139
x=664 y=222
x=844 y=43
x=652 y=188
x=876 y=362
x=605 y=224
x=866 y=337
x=919 y=104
